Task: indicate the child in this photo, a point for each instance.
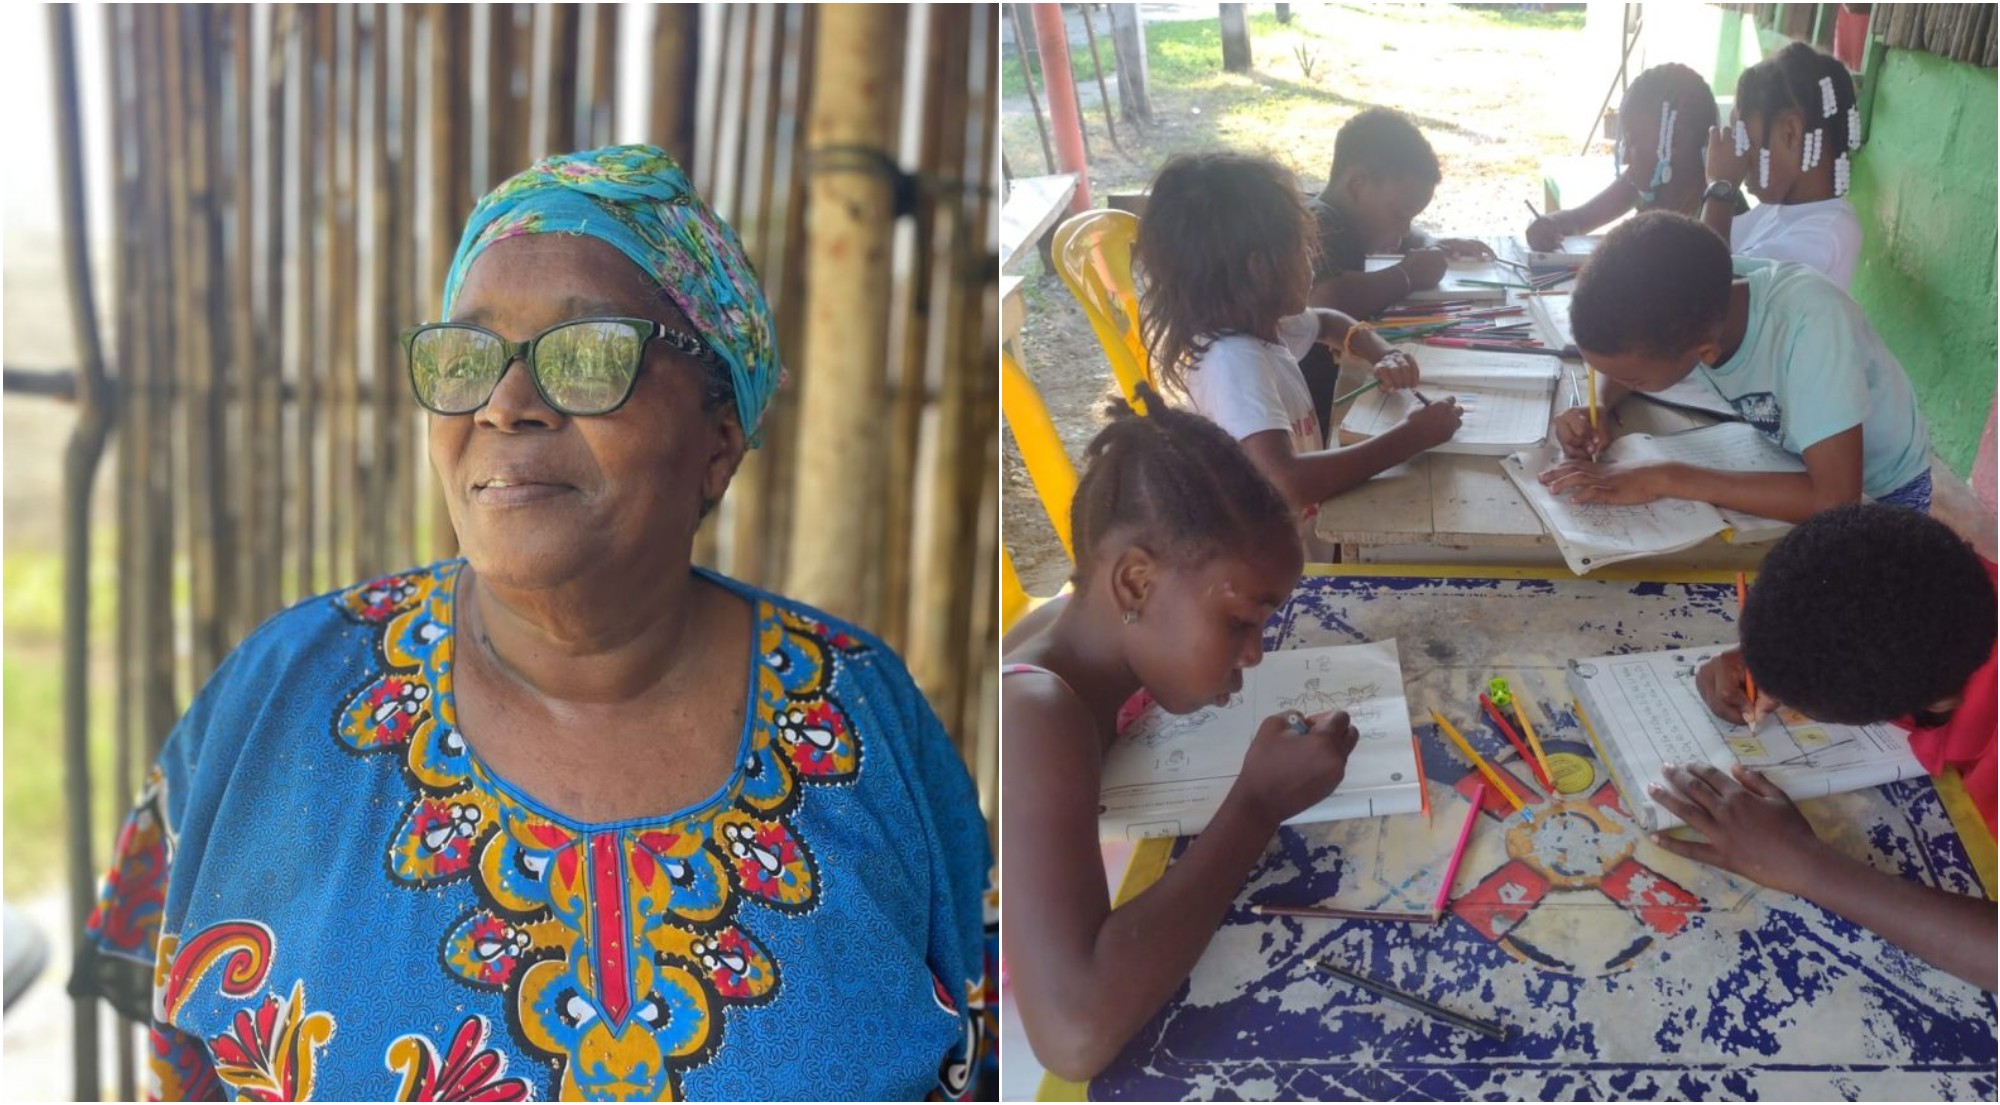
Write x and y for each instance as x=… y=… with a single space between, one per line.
x=1666 y=115
x=1791 y=353
x=1183 y=553
x=1384 y=175
x=1228 y=265
x=1795 y=127
x=1864 y=613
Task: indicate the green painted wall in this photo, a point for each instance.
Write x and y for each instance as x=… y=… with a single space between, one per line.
x=1924 y=186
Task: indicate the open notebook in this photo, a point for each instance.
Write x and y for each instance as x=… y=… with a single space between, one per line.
x=1644 y=712
x=1576 y=249
x=1593 y=535
x=1453 y=286
x=1506 y=397
x=1167 y=775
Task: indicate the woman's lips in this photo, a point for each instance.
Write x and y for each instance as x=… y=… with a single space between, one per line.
x=506 y=493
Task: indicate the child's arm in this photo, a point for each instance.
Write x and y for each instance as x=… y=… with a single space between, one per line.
x=1753 y=829
x=1723 y=163
x=1832 y=477
x=1393 y=367
x=1547 y=232
x=1086 y=976
x=1307 y=479
x=1366 y=294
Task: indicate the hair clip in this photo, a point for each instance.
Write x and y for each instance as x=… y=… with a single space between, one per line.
x=1853 y=128
x=1809 y=152
x=1742 y=138
x=1842 y=175
x=1828 y=103
x=1764 y=167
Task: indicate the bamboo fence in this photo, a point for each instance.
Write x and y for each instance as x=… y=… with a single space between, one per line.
x=290 y=182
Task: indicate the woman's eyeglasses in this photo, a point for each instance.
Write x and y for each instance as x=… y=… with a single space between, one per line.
x=583 y=367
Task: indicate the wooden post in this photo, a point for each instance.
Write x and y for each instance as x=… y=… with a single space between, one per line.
x=676 y=63
x=1022 y=40
x=1064 y=117
x=1235 y=39
x=1128 y=42
x=855 y=86
x=1097 y=66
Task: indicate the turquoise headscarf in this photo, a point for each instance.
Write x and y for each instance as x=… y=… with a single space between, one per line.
x=639 y=200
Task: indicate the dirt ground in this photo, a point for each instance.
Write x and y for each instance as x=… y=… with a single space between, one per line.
x=1495 y=90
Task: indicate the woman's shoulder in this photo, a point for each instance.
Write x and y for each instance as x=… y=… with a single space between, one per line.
x=338 y=617
x=780 y=617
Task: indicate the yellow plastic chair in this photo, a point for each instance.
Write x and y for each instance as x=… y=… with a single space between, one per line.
x=1049 y=469
x=1093 y=254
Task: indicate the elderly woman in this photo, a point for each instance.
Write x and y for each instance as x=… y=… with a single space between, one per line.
x=568 y=817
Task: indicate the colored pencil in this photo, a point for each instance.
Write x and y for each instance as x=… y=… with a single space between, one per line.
x=1495 y=347
x=1534 y=742
x=1336 y=914
x=1458 y=1020
x=1531 y=209
x=1420 y=397
x=1749 y=684
x=1592 y=374
x=1423 y=785
x=1514 y=739
x=1458 y=851
x=1486 y=769
x=1357 y=392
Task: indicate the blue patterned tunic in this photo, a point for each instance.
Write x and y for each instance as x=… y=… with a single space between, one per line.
x=335 y=898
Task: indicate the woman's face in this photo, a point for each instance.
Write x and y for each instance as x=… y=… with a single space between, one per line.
x=540 y=498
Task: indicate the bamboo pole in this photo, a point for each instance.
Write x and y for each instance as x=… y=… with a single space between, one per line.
x=306 y=356
x=562 y=29
x=86 y=448
x=676 y=65
x=201 y=410
x=239 y=290
x=602 y=113
x=151 y=444
x=451 y=192
x=748 y=504
x=410 y=294
x=853 y=120
x=339 y=415
x=267 y=568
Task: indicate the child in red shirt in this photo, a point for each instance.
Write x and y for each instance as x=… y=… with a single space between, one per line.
x=1863 y=613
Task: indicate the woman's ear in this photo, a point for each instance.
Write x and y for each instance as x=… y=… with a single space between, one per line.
x=727 y=446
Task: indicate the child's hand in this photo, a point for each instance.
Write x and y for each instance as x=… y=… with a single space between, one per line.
x=1465 y=249
x=1720 y=682
x=1610 y=482
x=1397 y=370
x=1435 y=424
x=1425 y=267
x=1578 y=437
x=1723 y=163
x=1752 y=828
x=1285 y=770
x=1544 y=235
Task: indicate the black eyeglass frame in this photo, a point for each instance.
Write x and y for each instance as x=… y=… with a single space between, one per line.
x=524 y=351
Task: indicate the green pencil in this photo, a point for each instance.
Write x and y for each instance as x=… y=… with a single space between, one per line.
x=1357 y=392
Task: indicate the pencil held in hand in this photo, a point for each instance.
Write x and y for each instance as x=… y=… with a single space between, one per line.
x=1592 y=373
x=1750 y=711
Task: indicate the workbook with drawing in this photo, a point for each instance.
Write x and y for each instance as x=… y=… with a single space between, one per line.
x=1595 y=534
x=1506 y=398
x=1453 y=287
x=1644 y=711
x=1167 y=775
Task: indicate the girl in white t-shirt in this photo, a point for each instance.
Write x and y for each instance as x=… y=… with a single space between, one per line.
x=1226 y=243
x=1791 y=144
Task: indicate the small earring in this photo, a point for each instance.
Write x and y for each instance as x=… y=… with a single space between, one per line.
x=1131 y=616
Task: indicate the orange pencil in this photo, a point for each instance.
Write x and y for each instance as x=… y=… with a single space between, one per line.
x=1423 y=785
x=1749 y=684
x=1486 y=769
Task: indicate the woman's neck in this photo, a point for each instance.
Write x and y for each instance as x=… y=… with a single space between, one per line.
x=600 y=641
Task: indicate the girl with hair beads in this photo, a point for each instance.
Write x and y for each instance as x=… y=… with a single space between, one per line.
x=1183 y=553
x=1795 y=130
x=1665 y=115
x=1227 y=244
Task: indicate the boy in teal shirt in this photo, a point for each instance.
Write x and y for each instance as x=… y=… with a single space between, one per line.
x=1661 y=298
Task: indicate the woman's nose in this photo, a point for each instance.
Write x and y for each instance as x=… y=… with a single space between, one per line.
x=516 y=404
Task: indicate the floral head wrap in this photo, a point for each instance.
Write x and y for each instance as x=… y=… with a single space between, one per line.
x=637 y=199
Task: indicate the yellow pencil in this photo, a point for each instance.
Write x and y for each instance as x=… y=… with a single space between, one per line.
x=1534 y=741
x=1591 y=373
x=1485 y=768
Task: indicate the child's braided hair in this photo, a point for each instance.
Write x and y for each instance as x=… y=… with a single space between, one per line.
x=1179 y=482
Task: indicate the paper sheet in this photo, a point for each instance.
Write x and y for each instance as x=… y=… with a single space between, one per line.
x=1647 y=712
x=1731 y=447
x=1451 y=285
x=1167 y=775
x=1506 y=398
x=1593 y=535
x=1550 y=312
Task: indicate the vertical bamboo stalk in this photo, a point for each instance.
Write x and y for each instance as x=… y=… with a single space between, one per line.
x=150 y=400
x=602 y=111
x=86 y=448
x=267 y=567
x=311 y=177
x=391 y=452
x=676 y=65
x=205 y=425
x=343 y=488
x=504 y=66
x=563 y=38
x=789 y=279
x=749 y=519
x=239 y=292
x=450 y=112
x=851 y=203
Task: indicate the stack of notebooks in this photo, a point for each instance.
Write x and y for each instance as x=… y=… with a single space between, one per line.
x=1643 y=712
